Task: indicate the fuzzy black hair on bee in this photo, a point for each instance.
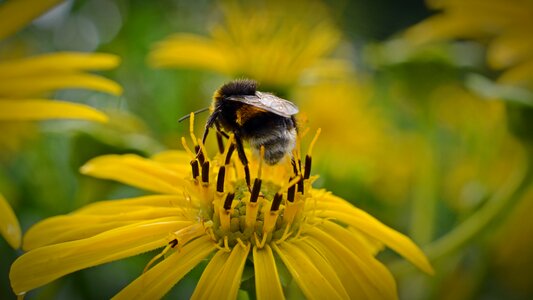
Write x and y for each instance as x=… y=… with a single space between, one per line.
x=238 y=87
x=260 y=118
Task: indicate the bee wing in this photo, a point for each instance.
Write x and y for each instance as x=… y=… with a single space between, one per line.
x=269 y=103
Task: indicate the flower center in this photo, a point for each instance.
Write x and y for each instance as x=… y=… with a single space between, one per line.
x=235 y=208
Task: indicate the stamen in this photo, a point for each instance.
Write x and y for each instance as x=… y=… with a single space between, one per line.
x=262 y=243
x=291 y=192
x=220 y=179
x=294 y=167
x=228 y=201
x=205 y=172
x=225 y=219
x=173 y=243
x=191 y=128
x=301 y=182
x=226 y=245
x=307 y=170
x=255 y=190
x=276 y=202
x=286 y=234
x=269 y=222
x=231 y=149
x=158 y=256
x=313 y=141
x=241 y=242
x=251 y=214
x=220 y=143
x=304 y=132
x=195 y=169
x=199 y=154
x=186 y=147
x=290 y=184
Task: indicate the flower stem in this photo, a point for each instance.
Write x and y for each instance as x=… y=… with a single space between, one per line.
x=424 y=200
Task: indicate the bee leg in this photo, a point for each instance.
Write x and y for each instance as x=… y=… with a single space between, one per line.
x=210 y=121
x=220 y=143
x=217 y=126
x=220 y=134
x=244 y=160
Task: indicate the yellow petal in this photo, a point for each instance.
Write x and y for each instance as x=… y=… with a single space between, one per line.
x=9 y=225
x=172 y=157
x=57 y=62
x=178 y=161
x=35 y=85
x=210 y=275
x=110 y=206
x=135 y=171
x=339 y=246
x=341 y=210
x=42 y=109
x=157 y=281
x=76 y=227
x=229 y=281
x=193 y=51
x=325 y=267
x=43 y=265
x=267 y=283
x=16 y=14
x=310 y=279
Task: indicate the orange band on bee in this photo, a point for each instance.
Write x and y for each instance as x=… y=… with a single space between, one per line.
x=247 y=112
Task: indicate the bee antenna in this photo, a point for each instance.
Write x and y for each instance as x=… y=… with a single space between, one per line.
x=196 y=112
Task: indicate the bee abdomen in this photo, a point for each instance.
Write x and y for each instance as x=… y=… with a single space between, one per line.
x=277 y=144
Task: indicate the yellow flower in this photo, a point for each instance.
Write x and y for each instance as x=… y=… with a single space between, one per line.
x=274 y=42
x=203 y=209
x=9 y=225
x=505 y=25
x=23 y=81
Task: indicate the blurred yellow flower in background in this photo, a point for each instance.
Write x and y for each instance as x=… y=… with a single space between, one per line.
x=360 y=139
x=25 y=81
x=474 y=172
x=504 y=25
x=274 y=42
x=203 y=206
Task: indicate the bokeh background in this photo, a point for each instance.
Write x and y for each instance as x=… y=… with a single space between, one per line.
x=426 y=110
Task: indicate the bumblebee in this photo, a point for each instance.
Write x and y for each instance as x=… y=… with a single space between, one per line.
x=259 y=118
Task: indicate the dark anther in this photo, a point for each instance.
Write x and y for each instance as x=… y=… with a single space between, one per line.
x=205 y=172
x=307 y=170
x=220 y=179
x=195 y=169
x=173 y=243
x=255 y=190
x=247 y=175
x=294 y=167
x=230 y=152
x=199 y=154
x=229 y=199
x=220 y=142
x=301 y=186
x=276 y=202
x=291 y=193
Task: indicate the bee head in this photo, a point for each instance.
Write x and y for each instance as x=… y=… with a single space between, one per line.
x=237 y=87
